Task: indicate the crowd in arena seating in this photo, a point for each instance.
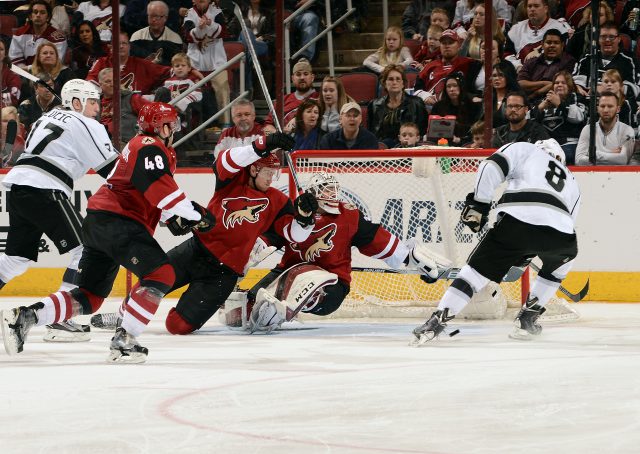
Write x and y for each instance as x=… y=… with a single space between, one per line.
x=431 y=66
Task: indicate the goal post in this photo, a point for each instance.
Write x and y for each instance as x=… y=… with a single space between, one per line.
x=413 y=193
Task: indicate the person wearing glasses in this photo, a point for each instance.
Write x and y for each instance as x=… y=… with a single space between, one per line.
x=610 y=57
x=157 y=42
x=518 y=128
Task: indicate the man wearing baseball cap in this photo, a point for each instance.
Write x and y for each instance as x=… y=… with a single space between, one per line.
x=350 y=136
x=430 y=83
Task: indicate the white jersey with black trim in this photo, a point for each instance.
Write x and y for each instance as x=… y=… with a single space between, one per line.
x=60 y=148
x=540 y=190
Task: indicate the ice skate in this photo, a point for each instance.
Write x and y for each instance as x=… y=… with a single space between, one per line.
x=16 y=324
x=526 y=326
x=432 y=328
x=264 y=314
x=109 y=320
x=67 y=331
x=126 y=349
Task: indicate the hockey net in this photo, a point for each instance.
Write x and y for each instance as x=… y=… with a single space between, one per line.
x=413 y=193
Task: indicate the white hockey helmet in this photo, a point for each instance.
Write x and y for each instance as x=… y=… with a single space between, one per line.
x=552 y=148
x=81 y=89
x=326 y=188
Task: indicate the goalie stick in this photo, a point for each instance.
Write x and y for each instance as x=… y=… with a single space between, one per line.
x=447 y=273
x=575 y=297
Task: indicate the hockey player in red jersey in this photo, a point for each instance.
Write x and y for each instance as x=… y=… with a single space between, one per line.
x=314 y=275
x=245 y=206
x=121 y=218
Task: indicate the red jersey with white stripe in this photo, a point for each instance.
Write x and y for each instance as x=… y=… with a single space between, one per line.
x=243 y=213
x=329 y=245
x=141 y=185
x=137 y=74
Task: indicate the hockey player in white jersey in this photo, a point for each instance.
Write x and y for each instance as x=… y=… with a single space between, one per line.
x=61 y=147
x=535 y=217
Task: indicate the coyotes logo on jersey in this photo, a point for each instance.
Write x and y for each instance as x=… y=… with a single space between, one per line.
x=240 y=209
x=318 y=242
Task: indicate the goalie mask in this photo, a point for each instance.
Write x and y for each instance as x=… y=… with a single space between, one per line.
x=326 y=188
x=552 y=148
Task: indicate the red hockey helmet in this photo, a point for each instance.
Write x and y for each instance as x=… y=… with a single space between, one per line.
x=270 y=160
x=156 y=114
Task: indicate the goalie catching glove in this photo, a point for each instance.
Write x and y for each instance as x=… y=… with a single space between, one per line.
x=180 y=226
x=264 y=145
x=306 y=206
x=475 y=214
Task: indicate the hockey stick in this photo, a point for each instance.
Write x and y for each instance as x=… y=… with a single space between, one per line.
x=514 y=273
x=27 y=75
x=10 y=138
x=265 y=91
x=575 y=297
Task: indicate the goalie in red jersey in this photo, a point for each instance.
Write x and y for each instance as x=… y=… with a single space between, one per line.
x=314 y=275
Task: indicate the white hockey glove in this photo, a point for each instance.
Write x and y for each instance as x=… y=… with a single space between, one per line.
x=427 y=262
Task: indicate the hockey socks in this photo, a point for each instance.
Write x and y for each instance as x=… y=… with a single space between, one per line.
x=140 y=309
x=56 y=307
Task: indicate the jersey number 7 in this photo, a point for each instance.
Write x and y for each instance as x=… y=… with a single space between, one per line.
x=55 y=132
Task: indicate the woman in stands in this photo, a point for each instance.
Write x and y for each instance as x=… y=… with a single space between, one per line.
x=580 y=42
x=387 y=113
x=332 y=97
x=504 y=79
x=456 y=101
x=392 y=52
x=86 y=48
x=563 y=112
x=612 y=81
x=475 y=35
x=48 y=61
x=308 y=133
x=475 y=82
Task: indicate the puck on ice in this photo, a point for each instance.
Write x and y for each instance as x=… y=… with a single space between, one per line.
x=454 y=332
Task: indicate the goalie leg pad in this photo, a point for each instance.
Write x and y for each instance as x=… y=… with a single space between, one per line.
x=235 y=311
x=267 y=314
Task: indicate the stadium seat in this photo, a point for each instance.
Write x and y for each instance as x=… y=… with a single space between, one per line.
x=625 y=41
x=7 y=24
x=618 y=11
x=413 y=45
x=361 y=86
x=411 y=79
x=233 y=48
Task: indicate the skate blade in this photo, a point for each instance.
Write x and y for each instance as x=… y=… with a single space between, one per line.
x=119 y=357
x=58 y=335
x=420 y=341
x=521 y=334
x=96 y=322
x=8 y=317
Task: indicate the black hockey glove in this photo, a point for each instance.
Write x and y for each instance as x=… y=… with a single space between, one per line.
x=305 y=206
x=178 y=226
x=475 y=214
x=208 y=220
x=264 y=145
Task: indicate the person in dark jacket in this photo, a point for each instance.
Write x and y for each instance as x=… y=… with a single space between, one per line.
x=307 y=132
x=350 y=135
x=387 y=113
x=519 y=129
x=456 y=101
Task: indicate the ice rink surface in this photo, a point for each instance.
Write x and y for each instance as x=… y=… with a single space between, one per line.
x=333 y=386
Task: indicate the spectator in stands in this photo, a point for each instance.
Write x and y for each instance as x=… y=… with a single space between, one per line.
x=574 y=12
x=614 y=139
x=524 y=38
x=136 y=74
x=260 y=23
x=182 y=80
x=350 y=136
x=415 y=18
x=409 y=135
x=429 y=49
x=466 y=11
x=563 y=112
x=48 y=61
x=307 y=132
x=392 y=52
x=429 y=84
x=135 y=16
x=580 y=42
x=610 y=57
x=27 y=38
x=302 y=77
x=612 y=81
x=475 y=82
x=456 y=101
x=475 y=35
x=477 y=135
x=244 y=130
x=630 y=15
x=503 y=81
x=441 y=17
x=332 y=99
x=10 y=113
x=59 y=17
x=130 y=105
x=519 y=129
x=387 y=113
x=10 y=83
x=40 y=102
x=157 y=42
x=305 y=26
x=86 y=48
x=203 y=27
x=100 y=13
x=536 y=73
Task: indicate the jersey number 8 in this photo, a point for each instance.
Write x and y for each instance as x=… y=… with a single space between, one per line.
x=555 y=176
